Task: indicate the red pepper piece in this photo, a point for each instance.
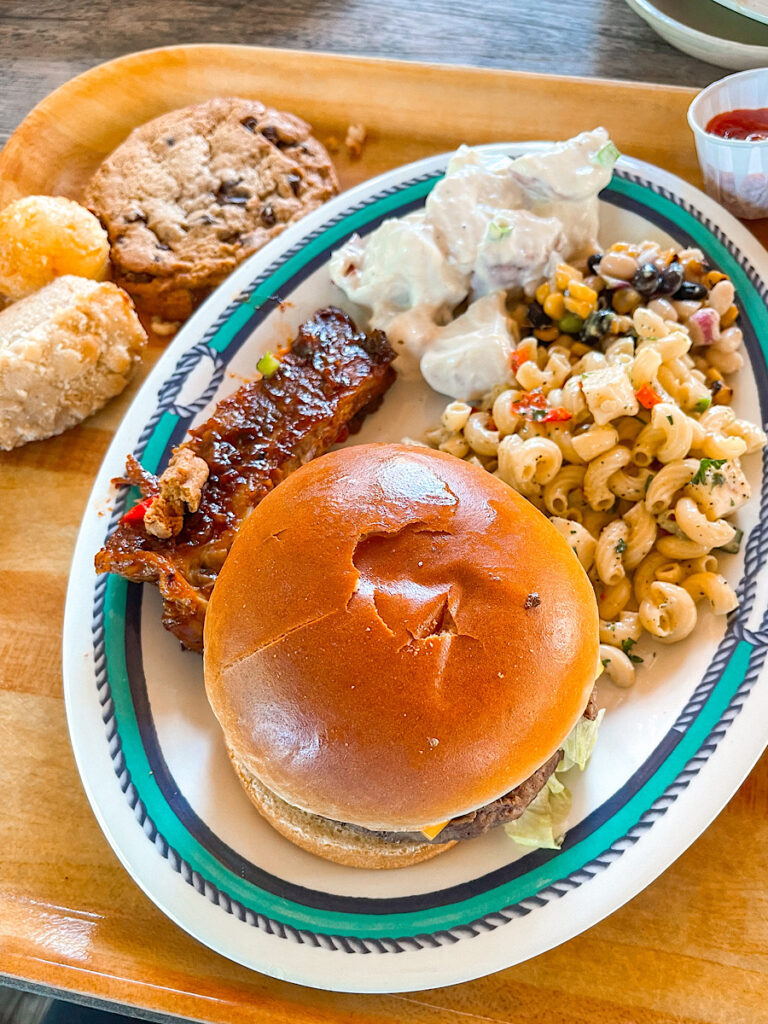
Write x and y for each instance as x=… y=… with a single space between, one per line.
x=136 y=514
x=518 y=357
x=648 y=397
x=530 y=400
x=533 y=406
x=556 y=415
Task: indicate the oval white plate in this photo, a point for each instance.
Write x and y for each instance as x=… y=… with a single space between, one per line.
x=704 y=29
x=671 y=751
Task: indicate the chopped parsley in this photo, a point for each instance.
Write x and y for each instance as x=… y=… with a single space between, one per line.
x=647 y=483
x=703 y=404
x=705 y=466
x=621 y=546
x=605 y=662
x=718 y=479
x=670 y=421
x=626 y=645
x=732 y=547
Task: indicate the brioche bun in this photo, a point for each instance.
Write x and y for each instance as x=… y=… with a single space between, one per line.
x=331 y=839
x=396 y=638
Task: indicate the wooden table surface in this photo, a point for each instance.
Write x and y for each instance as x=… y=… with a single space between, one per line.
x=690 y=949
x=43 y=45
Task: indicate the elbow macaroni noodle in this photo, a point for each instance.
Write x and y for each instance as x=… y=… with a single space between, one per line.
x=676 y=428
x=667 y=482
x=558 y=491
x=581 y=541
x=618 y=666
x=638 y=470
x=598 y=494
x=625 y=627
x=609 y=554
x=668 y=612
x=713 y=586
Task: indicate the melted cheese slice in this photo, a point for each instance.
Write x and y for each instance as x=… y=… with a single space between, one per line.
x=433 y=830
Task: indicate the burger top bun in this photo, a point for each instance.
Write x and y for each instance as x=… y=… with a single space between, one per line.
x=397 y=638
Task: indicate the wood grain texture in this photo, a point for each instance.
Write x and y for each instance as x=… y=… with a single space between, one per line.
x=581 y=37
x=691 y=949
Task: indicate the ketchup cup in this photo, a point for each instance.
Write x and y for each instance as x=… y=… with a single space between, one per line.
x=735 y=170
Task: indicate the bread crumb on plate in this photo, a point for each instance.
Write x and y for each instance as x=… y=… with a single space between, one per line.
x=355 y=140
x=164 y=328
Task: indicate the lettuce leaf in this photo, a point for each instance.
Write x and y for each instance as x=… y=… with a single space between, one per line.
x=579 y=743
x=542 y=823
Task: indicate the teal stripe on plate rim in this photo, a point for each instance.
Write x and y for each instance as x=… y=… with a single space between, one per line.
x=744 y=658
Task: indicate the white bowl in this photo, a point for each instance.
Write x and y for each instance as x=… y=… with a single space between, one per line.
x=755 y=9
x=706 y=30
x=735 y=170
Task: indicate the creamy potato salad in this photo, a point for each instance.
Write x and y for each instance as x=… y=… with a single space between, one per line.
x=493 y=225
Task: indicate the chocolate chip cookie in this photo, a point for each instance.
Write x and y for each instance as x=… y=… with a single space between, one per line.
x=191 y=194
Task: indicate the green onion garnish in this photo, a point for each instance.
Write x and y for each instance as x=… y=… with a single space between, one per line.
x=607 y=155
x=268 y=365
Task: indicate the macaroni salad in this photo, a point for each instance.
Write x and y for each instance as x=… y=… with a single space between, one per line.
x=615 y=420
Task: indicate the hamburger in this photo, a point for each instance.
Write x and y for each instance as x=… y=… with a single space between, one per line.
x=396 y=649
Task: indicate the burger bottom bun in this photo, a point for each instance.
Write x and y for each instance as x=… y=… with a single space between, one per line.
x=329 y=839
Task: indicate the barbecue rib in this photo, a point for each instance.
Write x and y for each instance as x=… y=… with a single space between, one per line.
x=331 y=378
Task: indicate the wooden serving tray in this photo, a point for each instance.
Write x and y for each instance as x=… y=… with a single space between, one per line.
x=690 y=948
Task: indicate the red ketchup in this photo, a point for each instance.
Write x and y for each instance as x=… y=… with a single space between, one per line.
x=749 y=125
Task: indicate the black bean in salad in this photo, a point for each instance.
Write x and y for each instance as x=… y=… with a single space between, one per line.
x=593 y=261
x=671 y=279
x=537 y=316
x=597 y=325
x=646 y=280
x=690 y=290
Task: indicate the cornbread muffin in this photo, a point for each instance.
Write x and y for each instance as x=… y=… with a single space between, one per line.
x=43 y=237
x=190 y=195
x=64 y=352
